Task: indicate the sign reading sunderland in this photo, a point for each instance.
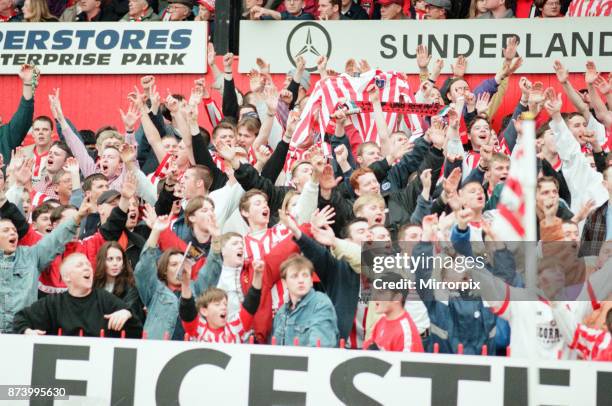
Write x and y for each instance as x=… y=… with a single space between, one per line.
x=392 y=44
x=104 y=48
x=148 y=372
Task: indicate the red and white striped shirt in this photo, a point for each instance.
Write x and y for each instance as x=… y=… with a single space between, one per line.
x=40 y=162
x=400 y=334
x=593 y=344
x=234 y=330
x=255 y=249
x=589 y=8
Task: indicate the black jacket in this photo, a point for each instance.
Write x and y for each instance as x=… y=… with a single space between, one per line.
x=115 y=226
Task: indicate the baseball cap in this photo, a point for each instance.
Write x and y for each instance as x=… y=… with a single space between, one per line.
x=445 y=4
x=209 y=4
x=387 y=2
x=108 y=196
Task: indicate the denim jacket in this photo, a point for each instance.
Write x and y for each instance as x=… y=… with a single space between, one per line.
x=161 y=302
x=19 y=272
x=314 y=318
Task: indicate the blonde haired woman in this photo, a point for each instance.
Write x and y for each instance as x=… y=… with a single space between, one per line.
x=37 y=11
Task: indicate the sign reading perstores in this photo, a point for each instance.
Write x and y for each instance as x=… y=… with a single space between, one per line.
x=104 y=48
x=391 y=45
x=149 y=372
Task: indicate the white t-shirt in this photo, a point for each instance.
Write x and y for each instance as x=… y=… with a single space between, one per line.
x=533 y=326
x=229 y=281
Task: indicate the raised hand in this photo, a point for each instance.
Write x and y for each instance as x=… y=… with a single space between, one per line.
x=161 y=223
x=584 y=211
x=463 y=218
x=459 y=67
x=525 y=86
x=327 y=181
x=290 y=223
x=87 y=206
x=22 y=173
x=510 y=50
x=271 y=97
x=430 y=226
x=56 y=105
x=129 y=186
x=324 y=235
x=350 y=67
x=264 y=67
x=147 y=83
x=364 y=66
x=258 y=270
x=451 y=184
x=210 y=54
x=292 y=122
x=127 y=153
x=71 y=165
x=256 y=81
x=149 y=216
x=323 y=217
x=422 y=57
x=262 y=154
x=130 y=118
x=322 y=64
x=286 y=96
x=300 y=64
x=483 y=102
x=26 y=73
x=228 y=60
x=373 y=93
x=426 y=181
x=172 y=104
x=561 y=72
x=590 y=75
x=553 y=102
x=341 y=154
x=512 y=66
x=604 y=86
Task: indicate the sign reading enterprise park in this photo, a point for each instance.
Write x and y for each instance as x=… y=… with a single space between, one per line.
x=104 y=48
x=97 y=371
x=391 y=45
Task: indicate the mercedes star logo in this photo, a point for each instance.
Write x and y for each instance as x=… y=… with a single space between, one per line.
x=310 y=41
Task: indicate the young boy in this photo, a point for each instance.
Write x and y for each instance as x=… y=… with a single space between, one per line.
x=207 y=319
x=395 y=330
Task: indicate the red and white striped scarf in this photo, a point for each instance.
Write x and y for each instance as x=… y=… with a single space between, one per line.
x=328 y=93
x=589 y=8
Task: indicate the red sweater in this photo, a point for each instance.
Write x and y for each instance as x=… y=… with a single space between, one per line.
x=50 y=280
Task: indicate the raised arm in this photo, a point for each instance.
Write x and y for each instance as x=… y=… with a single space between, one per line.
x=86 y=162
x=572 y=94
x=54 y=243
x=13 y=134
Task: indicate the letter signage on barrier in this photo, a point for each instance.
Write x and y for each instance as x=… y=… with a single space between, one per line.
x=149 y=372
x=391 y=45
x=104 y=48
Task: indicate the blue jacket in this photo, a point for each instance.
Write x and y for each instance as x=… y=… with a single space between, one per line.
x=459 y=320
x=314 y=318
x=19 y=272
x=162 y=303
